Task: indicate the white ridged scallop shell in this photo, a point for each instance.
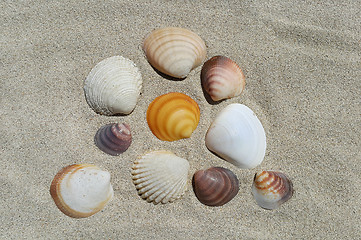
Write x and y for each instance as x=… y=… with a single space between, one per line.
x=174 y=51
x=160 y=176
x=237 y=136
x=81 y=190
x=113 y=86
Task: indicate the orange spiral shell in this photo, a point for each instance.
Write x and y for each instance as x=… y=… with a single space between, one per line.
x=173 y=116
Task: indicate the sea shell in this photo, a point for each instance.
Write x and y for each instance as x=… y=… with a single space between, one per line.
x=237 y=136
x=160 y=176
x=113 y=138
x=222 y=78
x=173 y=116
x=113 y=86
x=174 y=51
x=81 y=190
x=215 y=186
x=270 y=189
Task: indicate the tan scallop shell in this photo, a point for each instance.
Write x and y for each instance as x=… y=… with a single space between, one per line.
x=113 y=86
x=222 y=78
x=160 y=176
x=81 y=190
x=174 y=51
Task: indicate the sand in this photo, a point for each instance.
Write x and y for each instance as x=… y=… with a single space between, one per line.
x=302 y=62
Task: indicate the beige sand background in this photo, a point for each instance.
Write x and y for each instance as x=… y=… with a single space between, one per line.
x=302 y=61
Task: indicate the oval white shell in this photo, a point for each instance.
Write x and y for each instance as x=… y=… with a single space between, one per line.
x=113 y=86
x=81 y=190
x=174 y=51
x=237 y=136
x=160 y=176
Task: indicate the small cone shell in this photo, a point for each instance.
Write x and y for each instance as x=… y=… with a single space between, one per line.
x=174 y=51
x=113 y=138
x=81 y=190
x=160 y=176
x=270 y=189
x=173 y=116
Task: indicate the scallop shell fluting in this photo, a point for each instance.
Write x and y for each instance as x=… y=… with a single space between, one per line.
x=174 y=51
x=81 y=190
x=113 y=138
x=270 y=189
x=215 y=186
x=113 y=86
x=237 y=136
x=222 y=78
x=160 y=176
x=173 y=116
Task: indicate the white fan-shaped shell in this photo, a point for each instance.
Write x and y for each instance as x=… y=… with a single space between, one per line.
x=160 y=176
x=174 y=51
x=237 y=136
x=81 y=190
x=113 y=86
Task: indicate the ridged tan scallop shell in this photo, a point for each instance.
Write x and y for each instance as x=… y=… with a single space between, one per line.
x=160 y=176
x=237 y=136
x=81 y=190
x=113 y=86
x=173 y=116
x=113 y=138
x=222 y=78
x=174 y=51
x=270 y=189
x=215 y=186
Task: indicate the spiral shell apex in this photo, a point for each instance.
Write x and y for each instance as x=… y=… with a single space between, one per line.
x=81 y=190
x=174 y=51
x=113 y=86
x=160 y=176
x=173 y=116
x=215 y=186
x=114 y=138
x=270 y=189
x=237 y=136
x=222 y=78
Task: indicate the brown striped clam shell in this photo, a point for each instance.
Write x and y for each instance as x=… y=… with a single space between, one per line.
x=215 y=186
x=270 y=189
x=222 y=78
x=113 y=138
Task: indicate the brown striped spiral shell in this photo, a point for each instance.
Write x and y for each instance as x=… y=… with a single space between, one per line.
x=215 y=186
x=270 y=189
x=113 y=138
x=222 y=78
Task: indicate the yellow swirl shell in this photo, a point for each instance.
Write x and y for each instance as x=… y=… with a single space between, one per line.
x=173 y=116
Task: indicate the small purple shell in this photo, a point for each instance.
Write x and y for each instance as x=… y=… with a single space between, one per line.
x=113 y=138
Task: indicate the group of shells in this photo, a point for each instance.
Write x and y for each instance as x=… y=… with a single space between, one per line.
x=236 y=135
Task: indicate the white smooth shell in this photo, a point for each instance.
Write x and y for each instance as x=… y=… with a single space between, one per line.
x=160 y=176
x=113 y=86
x=81 y=190
x=237 y=136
